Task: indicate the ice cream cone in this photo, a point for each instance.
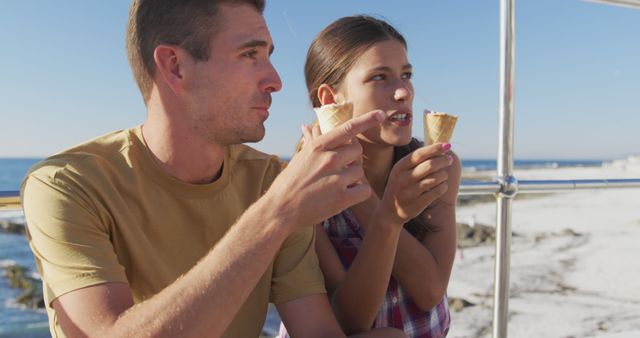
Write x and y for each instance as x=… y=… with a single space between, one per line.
x=332 y=115
x=438 y=127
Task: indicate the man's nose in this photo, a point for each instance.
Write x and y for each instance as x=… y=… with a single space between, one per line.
x=272 y=82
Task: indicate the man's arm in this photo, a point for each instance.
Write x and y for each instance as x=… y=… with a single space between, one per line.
x=319 y=182
x=201 y=303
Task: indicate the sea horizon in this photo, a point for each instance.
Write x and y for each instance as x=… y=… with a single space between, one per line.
x=13 y=169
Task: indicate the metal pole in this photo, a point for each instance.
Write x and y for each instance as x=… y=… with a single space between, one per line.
x=547 y=186
x=509 y=185
x=479 y=188
x=543 y=186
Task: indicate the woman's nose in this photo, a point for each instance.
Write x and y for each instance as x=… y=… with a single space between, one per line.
x=403 y=93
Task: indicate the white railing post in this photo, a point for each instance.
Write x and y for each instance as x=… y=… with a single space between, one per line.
x=508 y=183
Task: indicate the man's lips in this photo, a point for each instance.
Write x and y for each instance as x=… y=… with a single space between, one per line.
x=262 y=105
x=262 y=110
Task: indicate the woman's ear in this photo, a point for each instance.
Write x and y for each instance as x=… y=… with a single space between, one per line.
x=326 y=94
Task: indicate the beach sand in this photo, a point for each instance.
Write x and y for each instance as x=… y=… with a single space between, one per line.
x=575 y=262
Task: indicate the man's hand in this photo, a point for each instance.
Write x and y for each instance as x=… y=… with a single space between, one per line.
x=324 y=177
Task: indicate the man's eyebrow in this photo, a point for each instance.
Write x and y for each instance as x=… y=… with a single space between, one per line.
x=257 y=43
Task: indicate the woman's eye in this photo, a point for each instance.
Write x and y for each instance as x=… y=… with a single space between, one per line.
x=407 y=75
x=378 y=77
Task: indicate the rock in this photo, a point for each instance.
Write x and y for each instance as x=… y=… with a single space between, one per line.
x=12 y=227
x=31 y=295
x=466 y=200
x=473 y=236
x=458 y=304
x=571 y=232
x=540 y=236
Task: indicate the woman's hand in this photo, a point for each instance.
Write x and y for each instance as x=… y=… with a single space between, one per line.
x=415 y=182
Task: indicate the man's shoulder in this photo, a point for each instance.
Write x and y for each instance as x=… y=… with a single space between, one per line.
x=85 y=159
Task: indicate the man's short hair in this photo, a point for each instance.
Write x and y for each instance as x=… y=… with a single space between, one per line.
x=189 y=24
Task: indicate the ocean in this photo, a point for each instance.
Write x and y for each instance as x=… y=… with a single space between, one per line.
x=17 y=321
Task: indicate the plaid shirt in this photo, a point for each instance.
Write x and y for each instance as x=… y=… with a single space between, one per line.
x=397 y=310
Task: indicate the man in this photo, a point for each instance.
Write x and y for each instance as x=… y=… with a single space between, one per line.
x=175 y=228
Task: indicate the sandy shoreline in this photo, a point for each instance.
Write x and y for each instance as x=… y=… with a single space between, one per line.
x=574 y=262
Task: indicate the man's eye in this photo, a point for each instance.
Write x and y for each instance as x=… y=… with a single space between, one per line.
x=407 y=75
x=251 y=54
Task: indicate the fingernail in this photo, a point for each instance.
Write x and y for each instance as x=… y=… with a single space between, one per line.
x=380 y=116
x=450 y=159
x=446 y=146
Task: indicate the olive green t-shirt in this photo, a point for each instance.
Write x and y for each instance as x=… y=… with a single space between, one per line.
x=105 y=211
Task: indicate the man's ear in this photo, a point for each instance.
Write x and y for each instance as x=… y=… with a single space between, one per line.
x=171 y=64
x=328 y=95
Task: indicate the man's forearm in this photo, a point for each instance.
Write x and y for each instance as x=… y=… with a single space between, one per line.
x=206 y=299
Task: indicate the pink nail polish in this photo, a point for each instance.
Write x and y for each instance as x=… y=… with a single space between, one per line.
x=446 y=146
x=450 y=159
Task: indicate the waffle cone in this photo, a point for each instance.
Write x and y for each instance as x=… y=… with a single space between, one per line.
x=332 y=115
x=438 y=127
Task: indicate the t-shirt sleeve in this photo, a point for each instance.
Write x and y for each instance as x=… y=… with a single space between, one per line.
x=296 y=272
x=69 y=239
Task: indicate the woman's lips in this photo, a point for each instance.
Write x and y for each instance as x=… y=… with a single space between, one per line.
x=400 y=118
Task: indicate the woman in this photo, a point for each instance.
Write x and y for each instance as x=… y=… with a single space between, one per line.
x=386 y=261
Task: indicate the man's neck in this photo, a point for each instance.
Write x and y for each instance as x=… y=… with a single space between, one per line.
x=180 y=152
x=377 y=163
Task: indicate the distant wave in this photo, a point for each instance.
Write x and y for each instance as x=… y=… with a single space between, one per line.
x=13 y=216
x=7 y=262
x=483 y=165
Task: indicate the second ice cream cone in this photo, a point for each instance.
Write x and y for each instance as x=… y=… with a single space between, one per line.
x=438 y=127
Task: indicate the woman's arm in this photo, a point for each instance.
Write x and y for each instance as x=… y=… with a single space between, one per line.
x=357 y=294
x=423 y=268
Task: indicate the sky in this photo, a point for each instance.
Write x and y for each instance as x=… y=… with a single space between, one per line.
x=64 y=76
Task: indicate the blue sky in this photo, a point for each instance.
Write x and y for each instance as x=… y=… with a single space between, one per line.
x=64 y=77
